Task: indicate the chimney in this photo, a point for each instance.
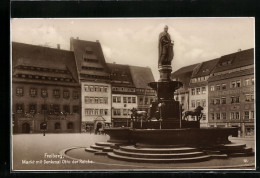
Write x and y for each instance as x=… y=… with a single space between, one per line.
x=97 y=41
x=239 y=50
x=58 y=46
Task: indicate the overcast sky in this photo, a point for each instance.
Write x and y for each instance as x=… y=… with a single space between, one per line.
x=135 y=41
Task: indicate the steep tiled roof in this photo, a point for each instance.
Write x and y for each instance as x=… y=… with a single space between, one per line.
x=205 y=68
x=231 y=75
x=61 y=62
x=183 y=70
x=238 y=59
x=120 y=75
x=91 y=51
x=141 y=76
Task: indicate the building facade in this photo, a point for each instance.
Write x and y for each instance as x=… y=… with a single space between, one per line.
x=45 y=88
x=231 y=92
x=141 y=76
x=182 y=94
x=124 y=97
x=94 y=78
x=198 y=89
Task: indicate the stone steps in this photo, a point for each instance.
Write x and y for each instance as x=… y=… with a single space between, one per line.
x=158 y=150
x=156 y=160
x=158 y=155
x=97 y=147
x=106 y=144
x=91 y=150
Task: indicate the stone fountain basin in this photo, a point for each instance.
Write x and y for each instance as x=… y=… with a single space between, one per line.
x=185 y=136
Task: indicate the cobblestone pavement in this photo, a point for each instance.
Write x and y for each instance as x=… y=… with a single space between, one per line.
x=36 y=152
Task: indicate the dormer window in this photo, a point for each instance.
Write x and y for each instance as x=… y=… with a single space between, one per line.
x=88 y=50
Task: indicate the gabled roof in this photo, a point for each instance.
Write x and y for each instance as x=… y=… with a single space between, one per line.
x=141 y=76
x=92 y=51
x=238 y=59
x=62 y=62
x=183 y=70
x=120 y=75
x=205 y=68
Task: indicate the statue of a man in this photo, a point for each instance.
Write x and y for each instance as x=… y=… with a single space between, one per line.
x=165 y=48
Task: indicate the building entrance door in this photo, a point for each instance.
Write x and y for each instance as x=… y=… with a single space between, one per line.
x=99 y=126
x=26 y=128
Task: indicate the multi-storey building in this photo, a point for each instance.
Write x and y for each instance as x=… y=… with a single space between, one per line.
x=44 y=88
x=141 y=76
x=183 y=75
x=198 y=88
x=95 y=84
x=123 y=94
x=231 y=92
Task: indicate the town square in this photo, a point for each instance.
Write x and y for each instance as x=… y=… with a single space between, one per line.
x=162 y=93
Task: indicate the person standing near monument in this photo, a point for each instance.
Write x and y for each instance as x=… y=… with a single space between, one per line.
x=165 y=48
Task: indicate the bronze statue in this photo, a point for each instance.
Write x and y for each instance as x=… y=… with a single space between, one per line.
x=165 y=48
x=197 y=112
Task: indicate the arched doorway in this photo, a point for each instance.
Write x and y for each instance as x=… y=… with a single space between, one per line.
x=26 y=128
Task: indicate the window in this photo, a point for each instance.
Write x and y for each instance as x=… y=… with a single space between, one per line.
x=33 y=92
x=96 y=89
x=223 y=100
x=105 y=100
x=218 y=87
x=19 y=108
x=124 y=100
x=232 y=99
x=238 y=83
x=141 y=100
x=96 y=112
x=44 y=93
x=75 y=95
x=224 y=116
x=146 y=100
x=105 y=89
x=246 y=115
x=247 y=97
x=87 y=112
x=86 y=88
x=66 y=94
x=203 y=90
x=66 y=108
x=211 y=101
x=203 y=103
x=151 y=100
x=224 y=86
x=91 y=88
x=217 y=101
x=32 y=108
x=129 y=99
x=212 y=88
x=247 y=82
x=114 y=99
x=237 y=115
x=70 y=125
x=252 y=114
x=56 y=93
x=212 y=116
x=119 y=99
x=237 y=99
x=125 y=112
x=96 y=100
x=198 y=103
x=19 y=91
x=252 y=97
x=232 y=115
x=193 y=91
x=106 y=111
x=133 y=100
x=116 y=112
x=233 y=85
x=56 y=109
x=198 y=91
x=193 y=104
x=75 y=109
x=57 y=126
x=218 y=116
